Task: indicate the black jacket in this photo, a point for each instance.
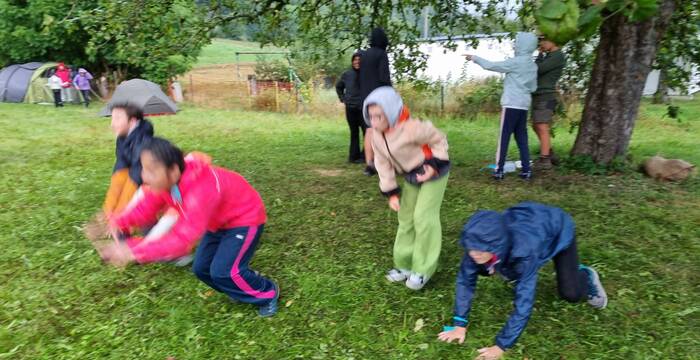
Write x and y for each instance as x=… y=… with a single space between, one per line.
x=374 y=64
x=348 y=89
x=128 y=150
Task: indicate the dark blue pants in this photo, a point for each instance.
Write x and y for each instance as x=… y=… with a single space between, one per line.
x=86 y=97
x=513 y=121
x=222 y=259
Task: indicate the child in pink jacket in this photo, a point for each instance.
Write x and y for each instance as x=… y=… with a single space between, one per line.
x=214 y=204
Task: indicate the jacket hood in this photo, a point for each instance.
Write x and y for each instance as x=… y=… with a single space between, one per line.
x=525 y=43
x=354 y=55
x=145 y=129
x=388 y=99
x=378 y=39
x=486 y=231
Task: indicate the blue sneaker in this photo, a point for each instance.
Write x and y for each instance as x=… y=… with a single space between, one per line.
x=596 y=293
x=270 y=309
x=526 y=175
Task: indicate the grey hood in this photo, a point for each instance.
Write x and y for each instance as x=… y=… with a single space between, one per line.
x=388 y=99
x=525 y=44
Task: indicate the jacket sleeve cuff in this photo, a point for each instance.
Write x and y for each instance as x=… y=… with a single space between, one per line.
x=503 y=345
x=459 y=321
x=390 y=193
x=442 y=167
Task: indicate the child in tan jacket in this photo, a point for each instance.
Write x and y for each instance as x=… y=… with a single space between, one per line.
x=418 y=151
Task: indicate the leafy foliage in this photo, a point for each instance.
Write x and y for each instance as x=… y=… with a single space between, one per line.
x=153 y=39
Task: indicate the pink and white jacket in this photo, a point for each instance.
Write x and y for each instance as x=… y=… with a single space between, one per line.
x=210 y=199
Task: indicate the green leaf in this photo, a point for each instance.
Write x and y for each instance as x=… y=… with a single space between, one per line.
x=553 y=9
x=643 y=9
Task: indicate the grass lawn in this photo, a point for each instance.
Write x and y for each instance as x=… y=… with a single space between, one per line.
x=223 y=51
x=328 y=243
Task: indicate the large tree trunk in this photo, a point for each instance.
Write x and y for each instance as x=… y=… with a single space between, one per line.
x=623 y=60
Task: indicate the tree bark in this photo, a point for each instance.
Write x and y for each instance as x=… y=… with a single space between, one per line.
x=623 y=60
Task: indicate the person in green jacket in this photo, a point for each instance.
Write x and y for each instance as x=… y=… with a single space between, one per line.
x=550 y=65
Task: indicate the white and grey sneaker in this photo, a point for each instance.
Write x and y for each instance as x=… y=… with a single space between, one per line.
x=416 y=281
x=183 y=261
x=596 y=293
x=396 y=275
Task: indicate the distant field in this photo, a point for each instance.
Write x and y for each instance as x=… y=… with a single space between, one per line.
x=223 y=51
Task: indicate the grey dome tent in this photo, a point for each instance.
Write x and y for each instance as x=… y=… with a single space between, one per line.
x=14 y=81
x=28 y=83
x=143 y=93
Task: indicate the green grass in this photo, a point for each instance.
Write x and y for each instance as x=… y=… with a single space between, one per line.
x=328 y=243
x=223 y=51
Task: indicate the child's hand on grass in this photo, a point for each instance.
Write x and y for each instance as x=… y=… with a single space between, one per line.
x=458 y=333
x=490 y=353
x=117 y=254
x=97 y=228
x=394 y=203
x=428 y=173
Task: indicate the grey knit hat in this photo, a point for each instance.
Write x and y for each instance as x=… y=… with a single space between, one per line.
x=388 y=99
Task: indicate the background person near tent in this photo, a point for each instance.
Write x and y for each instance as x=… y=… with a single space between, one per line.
x=520 y=81
x=82 y=83
x=348 y=91
x=213 y=203
x=63 y=72
x=56 y=84
x=516 y=244
x=374 y=72
x=550 y=65
x=417 y=150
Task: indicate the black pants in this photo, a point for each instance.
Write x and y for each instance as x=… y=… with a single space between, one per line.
x=572 y=282
x=513 y=121
x=86 y=97
x=57 y=98
x=355 y=122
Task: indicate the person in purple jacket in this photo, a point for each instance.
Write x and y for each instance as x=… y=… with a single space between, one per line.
x=82 y=84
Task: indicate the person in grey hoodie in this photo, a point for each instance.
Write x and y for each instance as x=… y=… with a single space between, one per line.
x=520 y=81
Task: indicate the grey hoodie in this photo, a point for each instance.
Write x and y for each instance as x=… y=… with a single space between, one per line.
x=520 y=70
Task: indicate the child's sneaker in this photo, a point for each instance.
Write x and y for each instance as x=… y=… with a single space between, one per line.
x=525 y=175
x=397 y=275
x=270 y=309
x=416 y=281
x=499 y=175
x=183 y=261
x=596 y=293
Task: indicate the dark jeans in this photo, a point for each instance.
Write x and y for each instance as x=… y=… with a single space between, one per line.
x=222 y=259
x=57 y=98
x=86 y=97
x=513 y=121
x=356 y=122
x=572 y=282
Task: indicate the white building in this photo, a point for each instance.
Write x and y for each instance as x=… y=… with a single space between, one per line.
x=446 y=65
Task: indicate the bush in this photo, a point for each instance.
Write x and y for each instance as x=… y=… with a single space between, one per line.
x=275 y=70
x=481 y=96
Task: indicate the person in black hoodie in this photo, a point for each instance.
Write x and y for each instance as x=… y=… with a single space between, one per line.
x=349 y=93
x=132 y=131
x=374 y=73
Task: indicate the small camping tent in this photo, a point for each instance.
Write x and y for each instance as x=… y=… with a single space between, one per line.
x=143 y=93
x=29 y=83
x=15 y=80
